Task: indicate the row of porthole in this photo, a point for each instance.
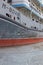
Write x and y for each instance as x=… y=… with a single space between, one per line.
x=36 y=20
x=18 y=19
x=8 y=15
x=14 y=18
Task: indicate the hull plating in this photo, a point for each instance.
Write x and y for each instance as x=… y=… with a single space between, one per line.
x=15 y=34
x=10 y=30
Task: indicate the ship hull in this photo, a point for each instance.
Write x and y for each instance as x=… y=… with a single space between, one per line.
x=12 y=33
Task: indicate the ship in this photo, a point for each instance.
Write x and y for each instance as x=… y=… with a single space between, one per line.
x=20 y=22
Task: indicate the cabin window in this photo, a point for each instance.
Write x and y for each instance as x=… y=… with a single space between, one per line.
x=33 y=19
x=35 y=27
x=14 y=18
x=3 y=0
x=36 y=21
x=29 y=0
x=8 y=15
x=9 y=1
x=25 y=23
x=18 y=18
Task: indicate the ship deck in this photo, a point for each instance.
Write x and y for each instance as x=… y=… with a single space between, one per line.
x=22 y=55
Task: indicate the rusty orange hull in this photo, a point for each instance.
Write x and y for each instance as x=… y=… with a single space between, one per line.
x=16 y=42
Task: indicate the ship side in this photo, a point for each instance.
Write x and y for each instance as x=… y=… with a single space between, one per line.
x=20 y=22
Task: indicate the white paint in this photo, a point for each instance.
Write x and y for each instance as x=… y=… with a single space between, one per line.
x=23 y=19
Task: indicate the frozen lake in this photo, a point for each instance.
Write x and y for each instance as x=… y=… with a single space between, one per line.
x=22 y=55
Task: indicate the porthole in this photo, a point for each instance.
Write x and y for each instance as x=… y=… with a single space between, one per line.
x=18 y=18
x=9 y=1
x=7 y=14
x=14 y=18
x=3 y=0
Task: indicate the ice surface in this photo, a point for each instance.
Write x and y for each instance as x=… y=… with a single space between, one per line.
x=22 y=55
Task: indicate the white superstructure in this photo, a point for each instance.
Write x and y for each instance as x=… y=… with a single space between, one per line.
x=23 y=17
x=27 y=4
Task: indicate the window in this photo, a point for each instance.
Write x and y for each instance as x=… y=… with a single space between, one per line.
x=3 y=0
x=36 y=21
x=8 y=15
x=34 y=27
x=29 y=0
x=33 y=19
x=18 y=18
x=14 y=18
x=9 y=1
